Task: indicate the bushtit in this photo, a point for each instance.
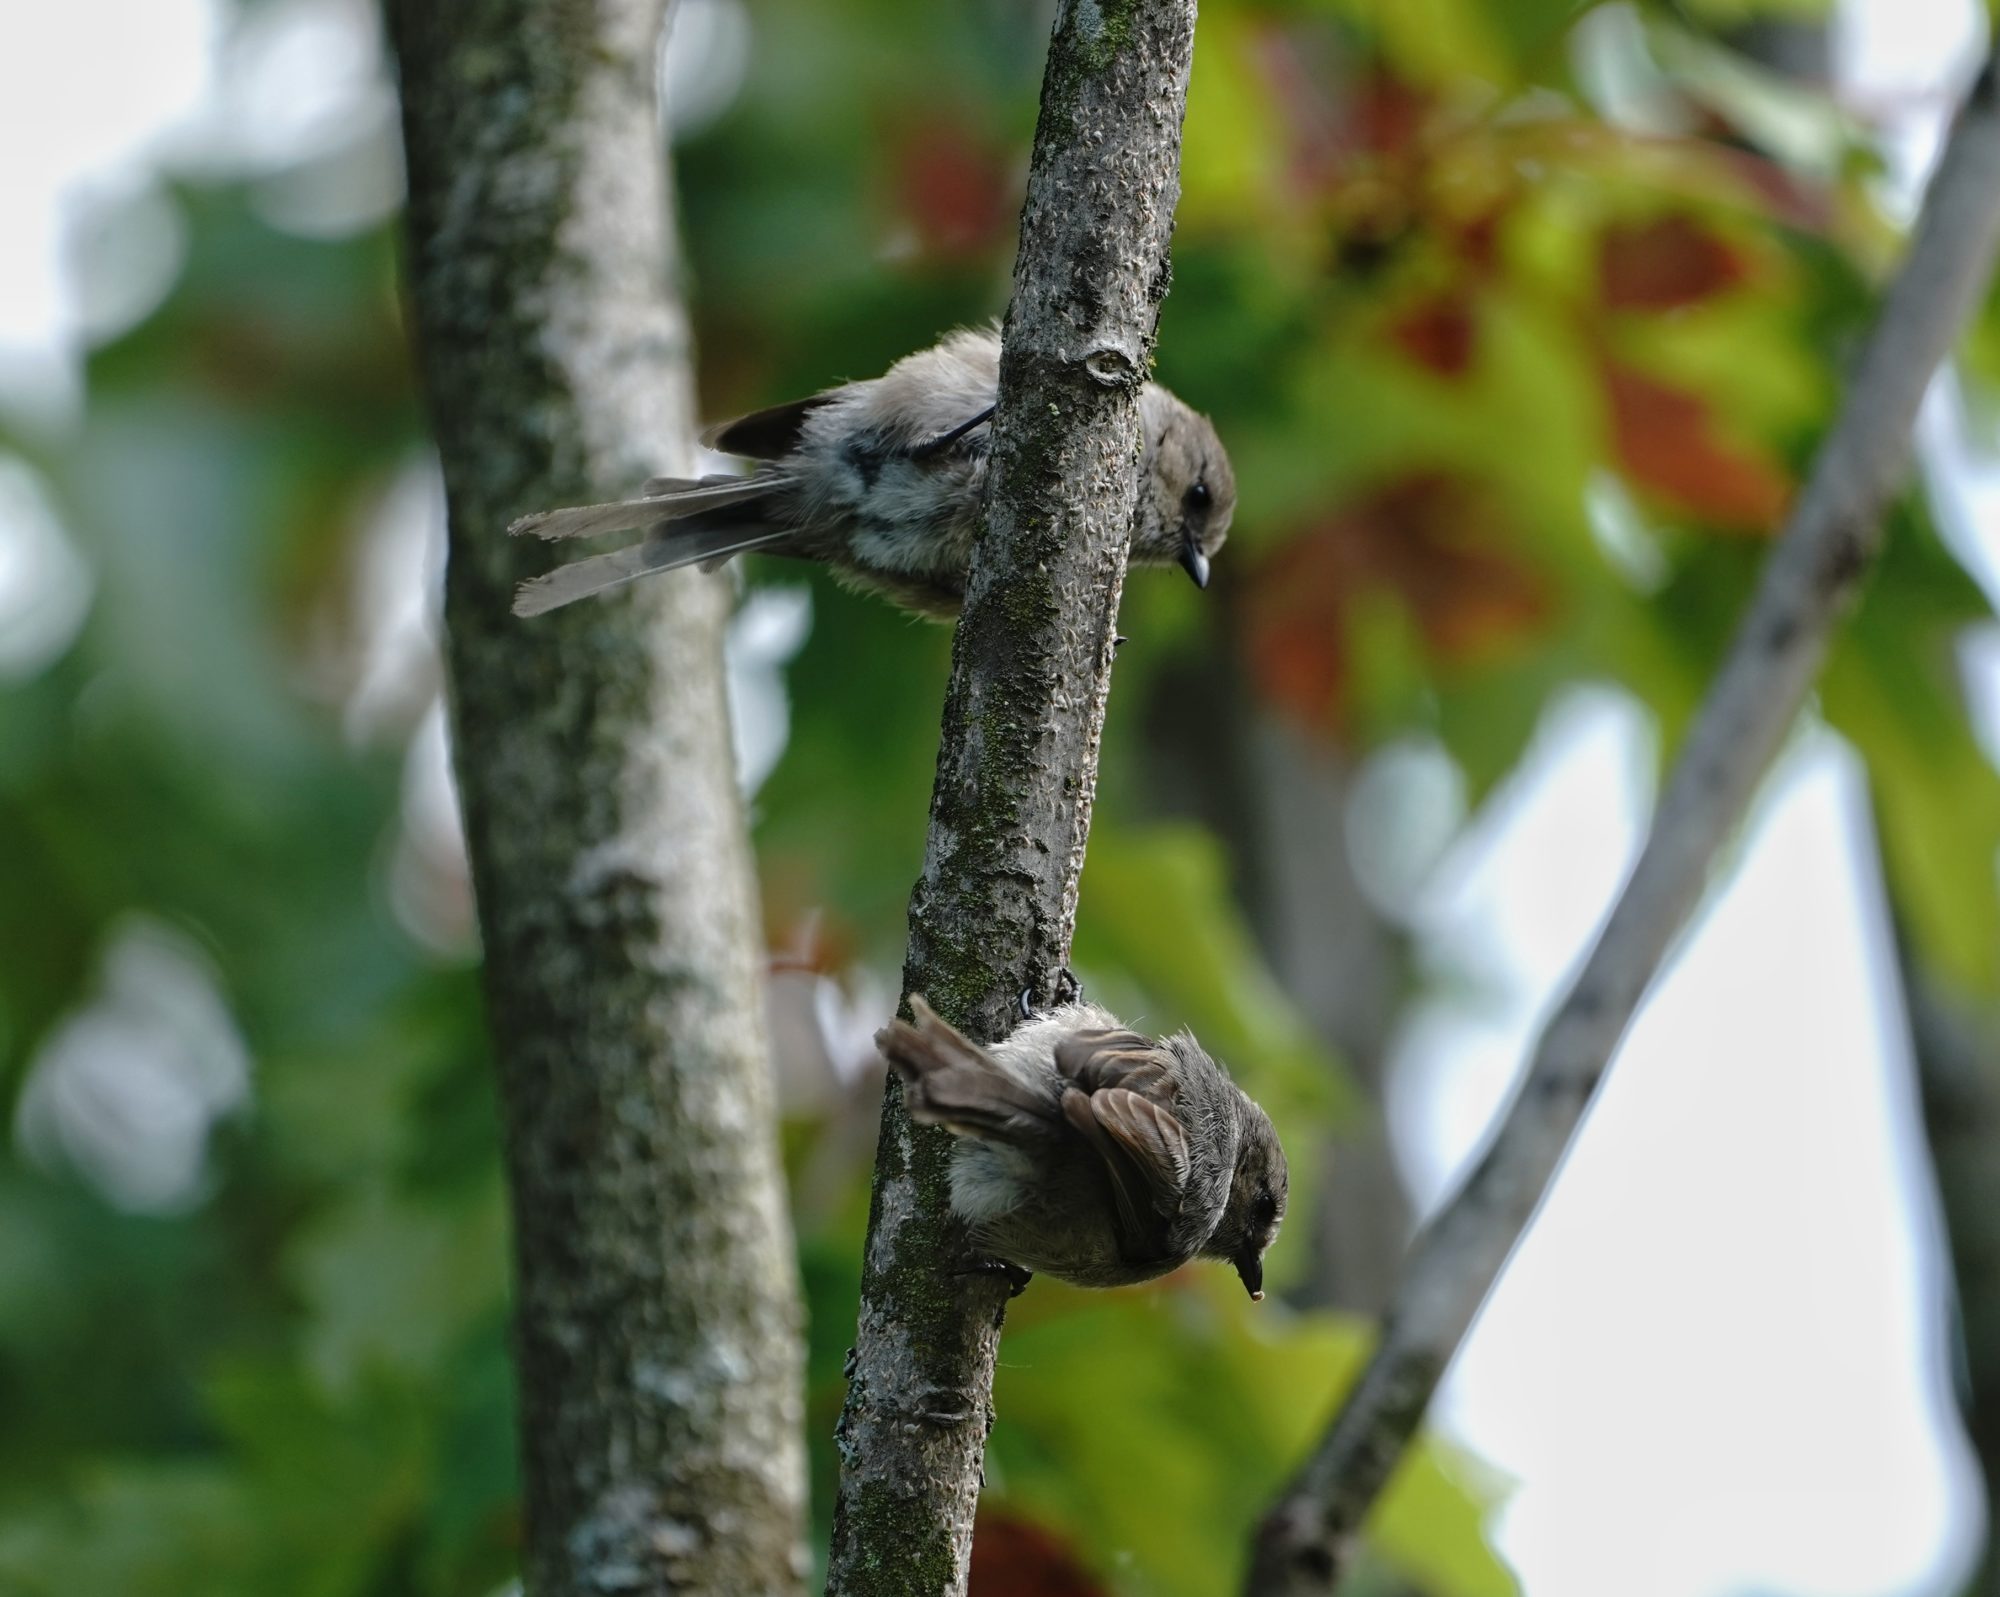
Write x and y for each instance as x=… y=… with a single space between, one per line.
x=1093 y=1153
x=883 y=480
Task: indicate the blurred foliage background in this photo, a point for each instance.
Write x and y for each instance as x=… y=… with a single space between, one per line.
x=1520 y=319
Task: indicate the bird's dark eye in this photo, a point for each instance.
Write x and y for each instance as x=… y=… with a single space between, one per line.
x=1198 y=496
x=1264 y=1210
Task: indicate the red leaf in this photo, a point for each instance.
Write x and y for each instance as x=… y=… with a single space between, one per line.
x=1014 y=1557
x=1386 y=113
x=1436 y=542
x=1437 y=332
x=1477 y=241
x=1666 y=441
x=1788 y=197
x=1341 y=117
x=959 y=193
x=1665 y=264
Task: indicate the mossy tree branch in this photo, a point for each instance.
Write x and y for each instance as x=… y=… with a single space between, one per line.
x=657 y=1317
x=1833 y=534
x=1010 y=812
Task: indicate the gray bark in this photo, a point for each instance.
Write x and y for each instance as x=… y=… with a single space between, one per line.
x=1832 y=535
x=994 y=909
x=657 y=1316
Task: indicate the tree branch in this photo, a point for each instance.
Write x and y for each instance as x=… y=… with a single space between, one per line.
x=659 y=1360
x=1017 y=767
x=1833 y=533
x=1957 y=1063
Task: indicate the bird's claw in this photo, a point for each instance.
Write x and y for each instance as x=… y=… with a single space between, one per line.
x=1068 y=991
x=1017 y=1278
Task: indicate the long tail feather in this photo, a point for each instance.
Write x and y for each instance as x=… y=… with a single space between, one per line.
x=664 y=499
x=582 y=578
x=950 y=1081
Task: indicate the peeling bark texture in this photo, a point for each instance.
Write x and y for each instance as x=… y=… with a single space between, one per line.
x=1832 y=536
x=657 y=1314
x=1017 y=768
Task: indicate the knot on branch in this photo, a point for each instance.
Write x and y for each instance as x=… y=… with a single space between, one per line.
x=1115 y=366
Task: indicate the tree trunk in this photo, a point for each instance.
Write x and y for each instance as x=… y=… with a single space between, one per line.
x=1031 y=662
x=657 y=1316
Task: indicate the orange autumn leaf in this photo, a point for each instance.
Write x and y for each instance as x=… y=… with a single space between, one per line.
x=1667 y=443
x=1014 y=1557
x=1436 y=543
x=1664 y=264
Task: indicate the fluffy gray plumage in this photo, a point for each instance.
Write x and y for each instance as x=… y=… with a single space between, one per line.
x=882 y=480
x=1092 y=1153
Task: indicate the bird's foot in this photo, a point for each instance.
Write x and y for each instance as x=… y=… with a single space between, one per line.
x=1068 y=991
x=1017 y=1278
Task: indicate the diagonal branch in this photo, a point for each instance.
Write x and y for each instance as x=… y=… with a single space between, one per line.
x=656 y=1302
x=1833 y=534
x=1017 y=769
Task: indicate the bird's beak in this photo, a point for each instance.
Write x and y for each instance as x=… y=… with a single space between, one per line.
x=1193 y=561
x=1251 y=1268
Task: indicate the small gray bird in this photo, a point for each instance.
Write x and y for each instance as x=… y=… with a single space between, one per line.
x=883 y=480
x=1095 y=1154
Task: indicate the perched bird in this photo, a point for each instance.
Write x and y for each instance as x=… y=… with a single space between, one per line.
x=883 y=481
x=1092 y=1153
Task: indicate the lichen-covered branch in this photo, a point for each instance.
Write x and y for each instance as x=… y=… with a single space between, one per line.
x=1017 y=768
x=1833 y=534
x=657 y=1317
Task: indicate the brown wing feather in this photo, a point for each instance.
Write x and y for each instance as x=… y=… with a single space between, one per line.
x=769 y=434
x=1095 y=1060
x=1139 y=1236
x=1153 y=1140
x=1145 y=1152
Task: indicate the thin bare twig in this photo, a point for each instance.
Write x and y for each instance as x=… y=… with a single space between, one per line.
x=1832 y=536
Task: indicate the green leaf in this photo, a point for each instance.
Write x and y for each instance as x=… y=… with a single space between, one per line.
x=1430 y=1524
x=1892 y=689
x=1156 y=908
x=397 y=1284
x=1155 y=1426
